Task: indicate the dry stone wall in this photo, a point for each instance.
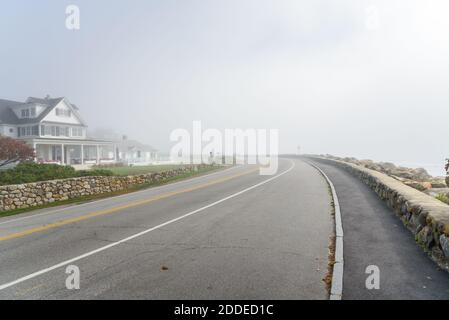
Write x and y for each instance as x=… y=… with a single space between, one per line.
x=425 y=216
x=41 y=193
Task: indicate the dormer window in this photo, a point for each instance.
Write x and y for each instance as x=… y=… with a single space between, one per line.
x=28 y=113
x=25 y=113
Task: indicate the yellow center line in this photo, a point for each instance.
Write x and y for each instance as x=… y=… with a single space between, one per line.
x=115 y=209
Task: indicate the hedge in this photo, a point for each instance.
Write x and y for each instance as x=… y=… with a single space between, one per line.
x=27 y=172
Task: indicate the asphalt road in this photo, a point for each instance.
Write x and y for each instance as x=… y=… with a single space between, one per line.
x=230 y=235
x=374 y=235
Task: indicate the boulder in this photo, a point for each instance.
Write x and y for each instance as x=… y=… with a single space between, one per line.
x=444 y=242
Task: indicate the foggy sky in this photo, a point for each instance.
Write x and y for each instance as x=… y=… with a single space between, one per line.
x=324 y=73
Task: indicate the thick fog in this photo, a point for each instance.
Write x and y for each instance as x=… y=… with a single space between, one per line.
x=368 y=79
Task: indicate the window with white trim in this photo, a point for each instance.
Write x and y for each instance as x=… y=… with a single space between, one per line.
x=77 y=132
x=63 y=112
x=28 y=131
x=25 y=113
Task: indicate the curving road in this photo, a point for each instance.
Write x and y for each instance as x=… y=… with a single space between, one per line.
x=230 y=235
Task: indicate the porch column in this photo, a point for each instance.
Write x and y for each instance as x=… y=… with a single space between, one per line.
x=82 y=154
x=98 y=154
x=62 y=154
x=35 y=151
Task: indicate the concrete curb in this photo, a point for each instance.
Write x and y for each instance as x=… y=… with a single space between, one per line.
x=338 y=268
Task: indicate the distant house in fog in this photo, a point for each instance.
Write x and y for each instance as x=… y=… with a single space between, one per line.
x=55 y=129
x=132 y=152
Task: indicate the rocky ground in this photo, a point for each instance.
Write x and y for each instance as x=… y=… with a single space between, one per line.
x=417 y=178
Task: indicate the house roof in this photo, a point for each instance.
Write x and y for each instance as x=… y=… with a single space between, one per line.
x=7 y=116
x=49 y=103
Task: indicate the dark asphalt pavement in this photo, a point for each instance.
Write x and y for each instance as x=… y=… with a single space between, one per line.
x=231 y=235
x=373 y=235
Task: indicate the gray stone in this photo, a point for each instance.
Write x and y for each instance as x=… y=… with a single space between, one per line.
x=32 y=194
x=444 y=242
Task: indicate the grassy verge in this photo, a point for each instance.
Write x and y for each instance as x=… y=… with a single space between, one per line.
x=126 y=171
x=443 y=198
x=133 y=188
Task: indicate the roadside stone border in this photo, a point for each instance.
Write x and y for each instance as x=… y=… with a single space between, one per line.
x=427 y=218
x=338 y=267
x=29 y=195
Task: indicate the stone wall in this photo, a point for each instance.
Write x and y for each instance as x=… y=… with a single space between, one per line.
x=427 y=218
x=41 y=193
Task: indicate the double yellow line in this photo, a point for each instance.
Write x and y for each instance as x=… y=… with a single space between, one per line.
x=119 y=208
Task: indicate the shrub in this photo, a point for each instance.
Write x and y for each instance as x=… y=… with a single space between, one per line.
x=12 y=151
x=443 y=198
x=33 y=172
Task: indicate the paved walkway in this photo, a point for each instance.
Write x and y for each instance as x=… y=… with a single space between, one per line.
x=374 y=235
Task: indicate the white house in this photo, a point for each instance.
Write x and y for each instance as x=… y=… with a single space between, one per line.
x=56 y=131
x=132 y=152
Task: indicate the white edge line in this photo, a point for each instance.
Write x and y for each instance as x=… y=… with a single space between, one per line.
x=338 y=267
x=64 y=263
x=58 y=210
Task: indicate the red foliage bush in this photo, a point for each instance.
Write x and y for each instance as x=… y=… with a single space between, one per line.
x=12 y=150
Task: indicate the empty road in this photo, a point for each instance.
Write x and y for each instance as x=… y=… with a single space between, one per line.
x=232 y=234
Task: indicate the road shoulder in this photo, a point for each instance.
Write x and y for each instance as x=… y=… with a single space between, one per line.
x=375 y=237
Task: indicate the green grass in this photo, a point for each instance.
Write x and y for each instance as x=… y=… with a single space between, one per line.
x=443 y=198
x=131 y=189
x=126 y=171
